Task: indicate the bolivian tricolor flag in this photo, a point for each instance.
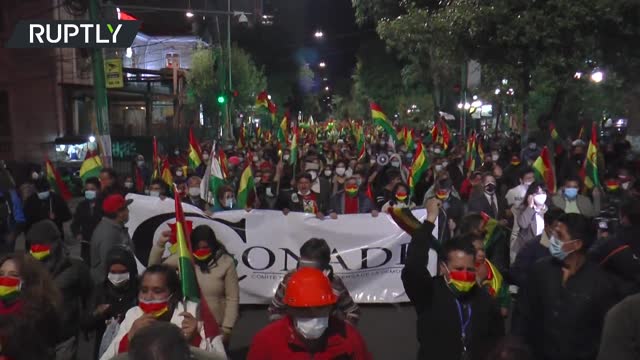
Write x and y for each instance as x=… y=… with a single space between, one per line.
x=418 y=167
x=283 y=130
x=9 y=288
x=409 y=141
x=543 y=170
x=195 y=152
x=590 y=168
x=293 y=159
x=55 y=181
x=246 y=186
x=189 y=283
x=91 y=166
x=167 y=177
x=358 y=133
x=380 y=119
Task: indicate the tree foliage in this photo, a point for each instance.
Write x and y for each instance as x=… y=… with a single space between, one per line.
x=535 y=44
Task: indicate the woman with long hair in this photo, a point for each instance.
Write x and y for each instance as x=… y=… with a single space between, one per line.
x=531 y=216
x=400 y=198
x=215 y=271
x=29 y=303
x=160 y=299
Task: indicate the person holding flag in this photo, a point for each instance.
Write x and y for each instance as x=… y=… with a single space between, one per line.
x=164 y=296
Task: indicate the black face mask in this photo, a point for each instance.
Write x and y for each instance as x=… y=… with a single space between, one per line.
x=490 y=189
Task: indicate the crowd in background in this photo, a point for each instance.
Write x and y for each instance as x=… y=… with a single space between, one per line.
x=550 y=263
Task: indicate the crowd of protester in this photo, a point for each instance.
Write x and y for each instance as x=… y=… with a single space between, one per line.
x=558 y=269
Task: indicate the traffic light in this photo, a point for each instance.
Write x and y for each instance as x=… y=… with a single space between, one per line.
x=222 y=99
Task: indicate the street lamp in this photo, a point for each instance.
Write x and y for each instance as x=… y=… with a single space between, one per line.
x=597 y=76
x=460 y=105
x=467 y=106
x=326 y=88
x=318 y=34
x=322 y=64
x=189 y=14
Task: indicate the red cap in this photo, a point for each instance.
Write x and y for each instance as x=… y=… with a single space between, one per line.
x=114 y=203
x=234 y=160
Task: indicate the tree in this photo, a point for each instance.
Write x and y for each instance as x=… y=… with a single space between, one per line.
x=247 y=78
x=203 y=84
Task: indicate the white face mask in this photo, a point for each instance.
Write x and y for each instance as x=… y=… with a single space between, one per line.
x=304 y=193
x=348 y=173
x=495 y=157
x=445 y=164
x=255 y=159
x=229 y=203
x=35 y=176
x=625 y=185
x=312 y=328
x=327 y=173
x=540 y=199
x=285 y=157
x=128 y=184
x=194 y=191
x=437 y=150
x=438 y=168
x=178 y=173
x=340 y=171
x=118 y=279
x=395 y=163
x=526 y=184
x=43 y=195
x=205 y=156
x=140 y=163
x=154 y=193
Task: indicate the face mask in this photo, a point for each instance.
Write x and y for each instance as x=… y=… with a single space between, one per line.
x=256 y=158
x=205 y=156
x=118 y=279
x=351 y=190
x=626 y=185
x=571 y=193
x=9 y=288
x=540 y=199
x=40 y=252
x=304 y=193
x=202 y=254
x=555 y=248
x=256 y=179
x=43 y=195
x=34 y=175
x=409 y=157
x=359 y=182
x=194 y=191
x=178 y=173
x=401 y=196
x=176 y=153
x=348 y=173
x=327 y=173
x=395 y=163
x=128 y=184
x=445 y=164
x=285 y=157
x=154 y=193
x=228 y=203
x=372 y=161
x=140 y=163
x=156 y=308
x=442 y=194
x=526 y=184
x=495 y=157
x=340 y=171
x=438 y=168
x=515 y=162
x=313 y=174
x=312 y=328
x=461 y=282
x=437 y=150
x=533 y=146
x=89 y=194
x=490 y=188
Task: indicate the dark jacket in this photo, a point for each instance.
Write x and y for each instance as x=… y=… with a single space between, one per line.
x=618 y=258
x=337 y=203
x=107 y=235
x=120 y=299
x=71 y=276
x=564 y=322
x=85 y=219
x=479 y=203
x=54 y=208
x=621 y=334
x=439 y=328
x=197 y=202
x=530 y=253
x=294 y=202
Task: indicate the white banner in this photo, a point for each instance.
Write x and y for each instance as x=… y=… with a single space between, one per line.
x=367 y=253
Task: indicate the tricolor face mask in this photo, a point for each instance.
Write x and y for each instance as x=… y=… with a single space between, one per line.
x=156 y=308
x=10 y=288
x=40 y=251
x=202 y=254
x=460 y=282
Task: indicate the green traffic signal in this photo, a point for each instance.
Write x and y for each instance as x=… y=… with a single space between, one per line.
x=221 y=99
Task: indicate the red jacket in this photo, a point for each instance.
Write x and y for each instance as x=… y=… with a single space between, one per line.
x=279 y=341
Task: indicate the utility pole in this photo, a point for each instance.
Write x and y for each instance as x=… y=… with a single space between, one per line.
x=229 y=108
x=100 y=98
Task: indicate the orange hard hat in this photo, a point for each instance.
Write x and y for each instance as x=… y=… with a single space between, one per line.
x=309 y=287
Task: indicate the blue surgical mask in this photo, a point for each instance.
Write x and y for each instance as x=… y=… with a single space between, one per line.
x=89 y=194
x=555 y=248
x=43 y=195
x=571 y=193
